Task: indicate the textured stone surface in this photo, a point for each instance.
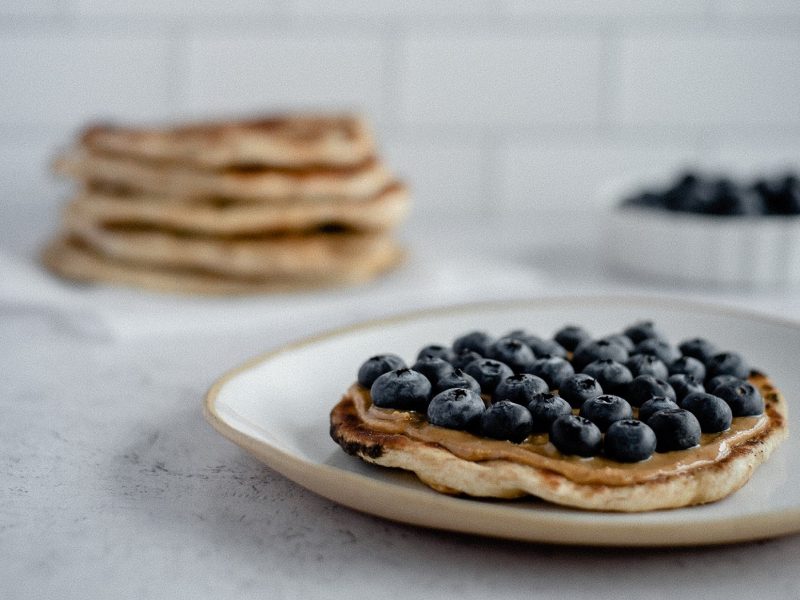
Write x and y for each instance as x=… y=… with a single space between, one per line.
x=113 y=485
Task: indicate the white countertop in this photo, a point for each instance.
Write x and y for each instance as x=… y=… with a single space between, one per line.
x=113 y=485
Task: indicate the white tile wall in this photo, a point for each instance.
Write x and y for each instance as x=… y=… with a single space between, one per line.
x=184 y=9
x=30 y=8
x=481 y=80
x=710 y=80
x=444 y=175
x=64 y=78
x=25 y=159
x=284 y=70
x=392 y=8
x=488 y=108
x=629 y=9
x=571 y=173
x=770 y=8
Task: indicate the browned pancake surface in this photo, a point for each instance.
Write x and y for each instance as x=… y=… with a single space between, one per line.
x=458 y=462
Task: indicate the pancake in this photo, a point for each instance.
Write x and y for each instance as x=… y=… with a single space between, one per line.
x=314 y=254
x=384 y=211
x=72 y=258
x=300 y=140
x=457 y=462
x=268 y=184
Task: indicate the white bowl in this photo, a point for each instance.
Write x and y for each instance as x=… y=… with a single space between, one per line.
x=744 y=251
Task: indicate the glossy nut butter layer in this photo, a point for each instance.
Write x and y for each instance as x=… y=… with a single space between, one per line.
x=537 y=451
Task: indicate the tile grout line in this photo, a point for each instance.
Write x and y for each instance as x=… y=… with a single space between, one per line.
x=608 y=80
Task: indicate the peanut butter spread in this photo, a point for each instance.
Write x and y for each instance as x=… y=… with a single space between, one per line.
x=537 y=451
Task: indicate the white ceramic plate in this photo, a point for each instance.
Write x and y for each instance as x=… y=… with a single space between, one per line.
x=277 y=408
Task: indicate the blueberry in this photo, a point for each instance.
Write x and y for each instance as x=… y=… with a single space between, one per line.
x=769 y=192
x=545 y=409
x=571 y=336
x=645 y=200
x=598 y=350
x=605 y=409
x=786 y=197
x=698 y=348
x=506 y=420
x=729 y=199
x=513 y=352
x=543 y=347
x=743 y=398
x=684 y=385
x=629 y=441
x=727 y=363
x=643 y=330
x=433 y=368
x=571 y=434
x=463 y=358
x=456 y=408
x=520 y=389
x=655 y=404
x=552 y=369
x=378 y=365
x=578 y=388
x=477 y=341
x=713 y=414
x=644 y=387
x=488 y=373
x=647 y=364
x=688 y=365
x=717 y=381
x=690 y=195
x=621 y=339
x=456 y=379
x=780 y=196
x=403 y=389
x=675 y=429
x=612 y=376
x=443 y=352
x=659 y=348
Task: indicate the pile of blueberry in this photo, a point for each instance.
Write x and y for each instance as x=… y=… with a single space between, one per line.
x=634 y=392
x=697 y=193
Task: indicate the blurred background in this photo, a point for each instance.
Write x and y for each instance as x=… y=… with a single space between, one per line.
x=510 y=112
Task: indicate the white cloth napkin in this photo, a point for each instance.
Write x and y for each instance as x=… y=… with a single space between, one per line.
x=425 y=281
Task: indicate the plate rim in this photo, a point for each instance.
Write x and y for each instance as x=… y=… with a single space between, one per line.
x=358 y=491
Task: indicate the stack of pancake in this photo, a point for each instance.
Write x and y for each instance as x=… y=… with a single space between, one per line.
x=279 y=203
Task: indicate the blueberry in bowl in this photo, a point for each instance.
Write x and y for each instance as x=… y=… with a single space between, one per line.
x=683 y=230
